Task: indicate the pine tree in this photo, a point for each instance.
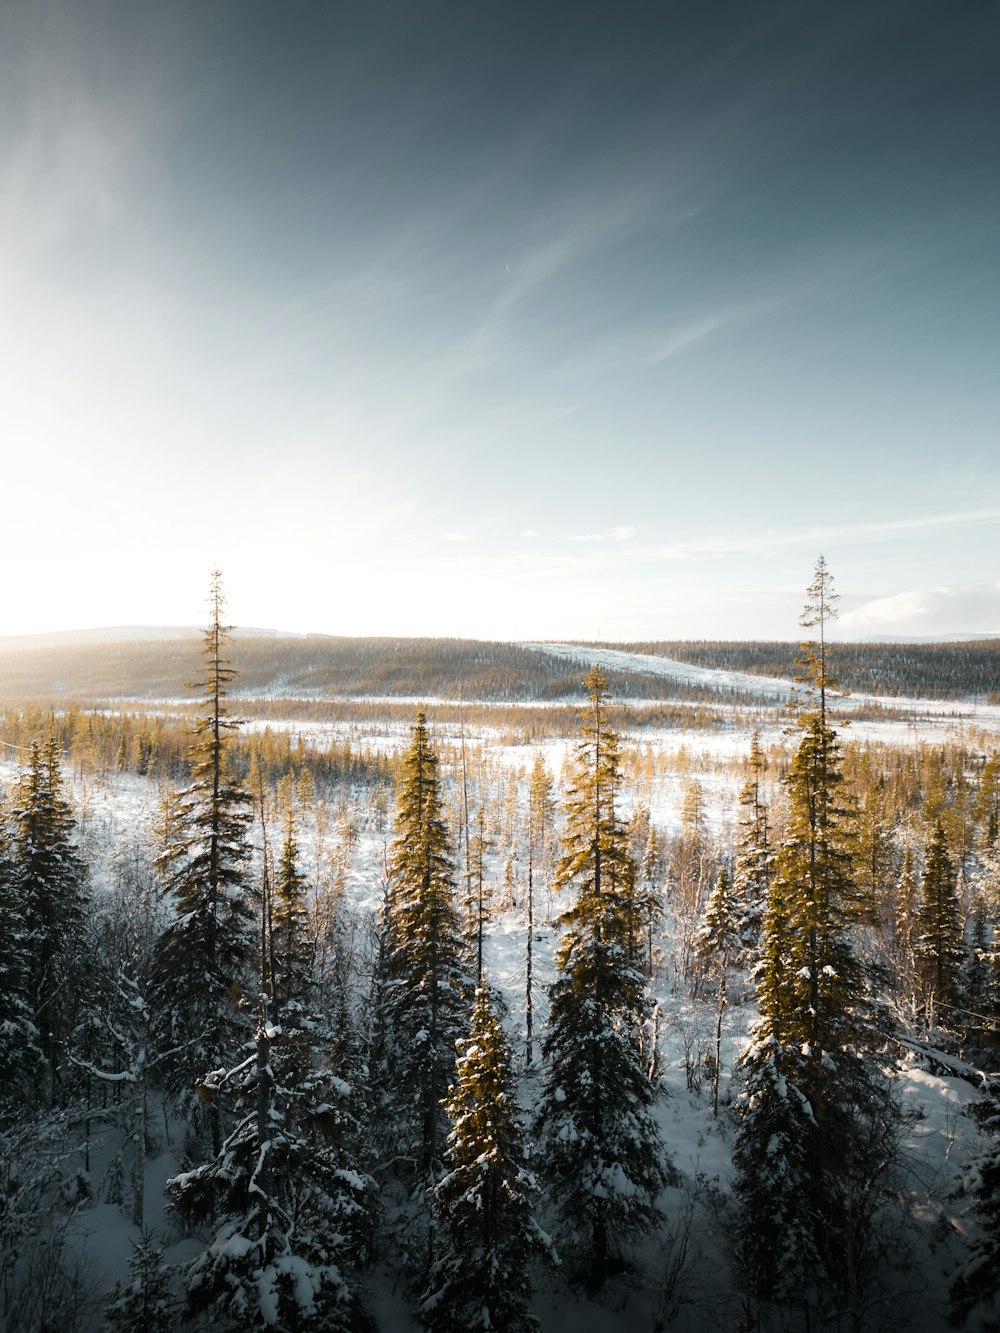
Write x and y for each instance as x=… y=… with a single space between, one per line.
x=540 y=809
x=483 y=1205
x=754 y=866
x=205 y=955
x=978 y=980
x=905 y=897
x=940 y=951
x=145 y=1303
x=878 y=859
x=424 y=974
x=604 y=1158
x=974 y=1286
x=283 y=1196
x=50 y=891
x=817 y=1124
x=20 y=1056
x=477 y=893
x=720 y=943
x=987 y=806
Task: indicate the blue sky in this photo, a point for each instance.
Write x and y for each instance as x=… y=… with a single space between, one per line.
x=501 y=319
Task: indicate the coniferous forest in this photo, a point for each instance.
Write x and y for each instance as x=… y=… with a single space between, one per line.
x=455 y=987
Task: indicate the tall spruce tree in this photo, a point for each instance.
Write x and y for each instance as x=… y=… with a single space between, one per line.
x=205 y=956
x=424 y=972
x=604 y=1158
x=483 y=1205
x=282 y=1194
x=754 y=866
x=940 y=950
x=817 y=1124
x=20 y=1056
x=50 y=895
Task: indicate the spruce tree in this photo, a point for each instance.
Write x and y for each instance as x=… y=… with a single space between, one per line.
x=604 y=1158
x=50 y=894
x=754 y=866
x=987 y=805
x=939 y=949
x=974 y=1286
x=720 y=943
x=205 y=955
x=424 y=973
x=539 y=824
x=483 y=1205
x=282 y=1194
x=817 y=1123
x=20 y=1056
x=145 y=1303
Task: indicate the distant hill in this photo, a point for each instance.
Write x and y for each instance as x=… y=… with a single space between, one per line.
x=144 y=662
x=117 y=664
x=940 y=670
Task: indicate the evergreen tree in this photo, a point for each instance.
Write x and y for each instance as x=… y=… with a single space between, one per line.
x=940 y=951
x=978 y=980
x=539 y=826
x=145 y=1303
x=50 y=893
x=720 y=941
x=424 y=971
x=483 y=1205
x=754 y=866
x=987 y=806
x=477 y=893
x=905 y=898
x=604 y=1157
x=282 y=1194
x=20 y=1057
x=877 y=859
x=817 y=1124
x=205 y=955
x=974 y=1286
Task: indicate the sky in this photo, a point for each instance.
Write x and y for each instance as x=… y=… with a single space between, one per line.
x=500 y=320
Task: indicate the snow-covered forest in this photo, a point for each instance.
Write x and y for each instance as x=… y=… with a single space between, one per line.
x=511 y=1008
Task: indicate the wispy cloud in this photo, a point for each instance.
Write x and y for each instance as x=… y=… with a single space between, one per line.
x=613 y=550
x=847 y=533
x=699 y=330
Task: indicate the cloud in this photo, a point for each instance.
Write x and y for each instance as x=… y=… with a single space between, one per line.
x=846 y=534
x=962 y=608
x=454 y=537
x=685 y=337
x=622 y=533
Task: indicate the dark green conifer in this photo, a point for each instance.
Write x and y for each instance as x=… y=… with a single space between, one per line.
x=145 y=1303
x=205 y=957
x=604 y=1158
x=282 y=1193
x=939 y=949
x=424 y=974
x=487 y=1234
x=754 y=867
x=50 y=898
x=817 y=1123
x=20 y=1057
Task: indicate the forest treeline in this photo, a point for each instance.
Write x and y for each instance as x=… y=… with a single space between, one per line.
x=314 y=666
x=924 y=670
x=319 y=666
